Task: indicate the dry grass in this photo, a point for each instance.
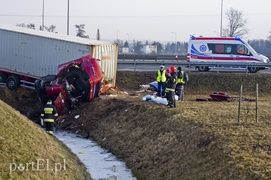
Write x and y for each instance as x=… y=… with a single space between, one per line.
x=197 y=140
x=23 y=142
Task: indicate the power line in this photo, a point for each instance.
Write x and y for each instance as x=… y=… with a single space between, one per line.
x=124 y=16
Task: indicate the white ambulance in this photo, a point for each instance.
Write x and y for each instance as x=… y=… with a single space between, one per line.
x=223 y=49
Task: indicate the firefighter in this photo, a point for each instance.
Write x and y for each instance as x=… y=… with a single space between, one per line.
x=182 y=78
x=161 y=79
x=171 y=86
x=49 y=115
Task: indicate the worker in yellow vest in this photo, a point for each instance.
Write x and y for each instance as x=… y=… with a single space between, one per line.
x=182 y=78
x=161 y=80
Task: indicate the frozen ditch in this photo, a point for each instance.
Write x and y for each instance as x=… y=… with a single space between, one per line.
x=99 y=163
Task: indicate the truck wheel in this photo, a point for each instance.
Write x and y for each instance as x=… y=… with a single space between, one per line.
x=13 y=82
x=34 y=116
x=203 y=68
x=48 y=78
x=253 y=69
x=3 y=77
x=38 y=85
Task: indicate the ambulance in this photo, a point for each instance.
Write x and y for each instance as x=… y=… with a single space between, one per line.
x=223 y=51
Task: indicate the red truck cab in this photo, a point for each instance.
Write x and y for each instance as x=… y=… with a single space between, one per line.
x=77 y=81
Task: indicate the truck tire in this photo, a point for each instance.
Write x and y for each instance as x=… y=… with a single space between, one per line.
x=253 y=69
x=13 y=82
x=203 y=68
x=38 y=85
x=3 y=77
x=48 y=78
x=34 y=116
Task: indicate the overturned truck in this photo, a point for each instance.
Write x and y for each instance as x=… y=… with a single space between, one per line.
x=77 y=81
x=66 y=69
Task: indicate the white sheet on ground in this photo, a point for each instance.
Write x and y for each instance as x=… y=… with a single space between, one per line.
x=151 y=98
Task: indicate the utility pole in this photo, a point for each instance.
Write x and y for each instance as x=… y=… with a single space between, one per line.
x=68 y=17
x=175 y=42
x=42 y=28
x=221 y=18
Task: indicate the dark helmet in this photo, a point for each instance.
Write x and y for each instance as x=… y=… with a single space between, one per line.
x=50 y=102
x=179 y=68
x=173 y=69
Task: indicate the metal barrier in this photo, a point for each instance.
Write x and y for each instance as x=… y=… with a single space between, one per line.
x=190 y=64
x=145 y=57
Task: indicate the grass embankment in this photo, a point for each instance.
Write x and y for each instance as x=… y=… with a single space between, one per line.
x=197 y=140
x=27 y=152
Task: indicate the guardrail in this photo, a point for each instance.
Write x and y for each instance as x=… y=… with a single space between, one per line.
x=182 y=63
x=150 y=57
x=193 y=64
x=153 y=57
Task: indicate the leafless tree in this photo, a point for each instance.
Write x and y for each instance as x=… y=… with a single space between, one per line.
x=269 y=36
x=51 y=28
x=80 y=31
x=30 y=25
x=236 y=23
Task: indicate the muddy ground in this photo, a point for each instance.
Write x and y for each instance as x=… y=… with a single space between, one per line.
x=114 y=110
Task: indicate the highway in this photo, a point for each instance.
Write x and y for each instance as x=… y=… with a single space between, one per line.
x=151 y=67
x=141 y=62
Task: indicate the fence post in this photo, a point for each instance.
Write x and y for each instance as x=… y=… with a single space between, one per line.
x=257 y=93
x=239 y=107
x=134 y=65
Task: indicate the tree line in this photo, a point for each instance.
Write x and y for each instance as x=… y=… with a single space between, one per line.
x=236 y=27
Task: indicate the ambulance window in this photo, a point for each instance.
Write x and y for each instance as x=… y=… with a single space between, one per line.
x=211 y=47
x=228 y=49
x=241 y=50
x=219 y=48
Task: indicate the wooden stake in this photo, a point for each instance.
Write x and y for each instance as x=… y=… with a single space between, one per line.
x=239 y=107
x=257 y=93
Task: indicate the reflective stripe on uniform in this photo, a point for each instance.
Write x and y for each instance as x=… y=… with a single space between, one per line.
x=50 y=132
x=169 y=90
x=48 y=110
x=49 y=120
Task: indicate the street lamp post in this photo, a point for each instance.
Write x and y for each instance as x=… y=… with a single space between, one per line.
x=128 y=42
x=128 y=37
x=221 y=18
x=42 y=28
x=175 y=41
x=68 y=17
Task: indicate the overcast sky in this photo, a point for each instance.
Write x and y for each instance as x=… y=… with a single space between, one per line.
x=152 y=20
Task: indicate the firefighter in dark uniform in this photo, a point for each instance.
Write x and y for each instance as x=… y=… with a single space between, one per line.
x=171 y=86
x=49 y=115
x=161 y=79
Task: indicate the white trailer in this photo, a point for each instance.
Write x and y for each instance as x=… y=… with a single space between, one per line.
x=27 y=54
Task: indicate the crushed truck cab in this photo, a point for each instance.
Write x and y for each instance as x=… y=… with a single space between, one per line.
x=77 y=81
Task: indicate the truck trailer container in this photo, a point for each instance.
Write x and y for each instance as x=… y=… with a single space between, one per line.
x=27 y=55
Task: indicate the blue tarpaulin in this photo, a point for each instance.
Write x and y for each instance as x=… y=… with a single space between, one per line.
x=154 y=84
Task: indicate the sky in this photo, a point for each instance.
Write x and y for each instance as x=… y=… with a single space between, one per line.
x=141 y=20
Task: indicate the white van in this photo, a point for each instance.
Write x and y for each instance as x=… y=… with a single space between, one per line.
x=223 y=49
